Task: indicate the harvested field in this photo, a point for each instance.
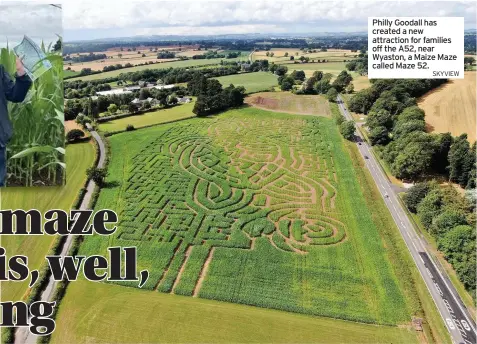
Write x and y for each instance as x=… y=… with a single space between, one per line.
x=173 y=64
x=279 y=55
x=290 y=103
x=360 y=82
x=133 y=57
x=98 y=65
x=452 y=107
x=70 y=125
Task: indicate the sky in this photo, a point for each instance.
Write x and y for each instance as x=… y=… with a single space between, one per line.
x=36 y=20
x=93 y=19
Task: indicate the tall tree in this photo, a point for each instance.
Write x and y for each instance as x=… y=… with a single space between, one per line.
x=459 y=158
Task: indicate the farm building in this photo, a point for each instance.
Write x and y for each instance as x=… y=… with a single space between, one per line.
x=113 y=92
x=161 y=87
x=130 y=89
x=184 y=100
x=139 y=103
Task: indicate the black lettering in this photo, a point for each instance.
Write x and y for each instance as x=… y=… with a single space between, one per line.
x=101 y=218
x=41 y=313
x=58 y=224
x=21 y=221
x=10 y=318
x=91 y=264
x=81 y=225
x=68 y=267
x=18 y=268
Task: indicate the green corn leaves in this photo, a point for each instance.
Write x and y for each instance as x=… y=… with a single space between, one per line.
x=36 y=151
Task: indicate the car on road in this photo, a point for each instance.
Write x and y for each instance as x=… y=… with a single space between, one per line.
x=386 y=195
x=450 y=323
x=465 y=324
x=359 y=143
x=366 y=157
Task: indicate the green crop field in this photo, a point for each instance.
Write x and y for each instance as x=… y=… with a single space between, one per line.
x=253 y=82
x=174 y=64
x=150 y=118
x=96 y=313
x=79 y=157
x=251 y=207
x=68 y=73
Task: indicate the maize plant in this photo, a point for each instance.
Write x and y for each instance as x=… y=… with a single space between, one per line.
x=36 y=151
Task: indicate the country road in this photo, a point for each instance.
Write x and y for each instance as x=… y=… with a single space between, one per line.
x=457 y=320
x=23 y=334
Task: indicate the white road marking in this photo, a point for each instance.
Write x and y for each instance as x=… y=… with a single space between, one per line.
x=378 y=177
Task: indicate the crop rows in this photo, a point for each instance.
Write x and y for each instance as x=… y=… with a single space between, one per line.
x=243 y=180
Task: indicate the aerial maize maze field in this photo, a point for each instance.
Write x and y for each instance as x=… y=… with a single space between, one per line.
x=251 y=207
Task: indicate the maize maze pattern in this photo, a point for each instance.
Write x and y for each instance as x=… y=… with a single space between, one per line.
x=223 y=183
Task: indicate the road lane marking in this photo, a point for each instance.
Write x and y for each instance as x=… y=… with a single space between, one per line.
x=378 y=177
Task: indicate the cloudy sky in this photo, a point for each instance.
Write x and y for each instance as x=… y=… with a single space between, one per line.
x=36 y=20
x=91 y=19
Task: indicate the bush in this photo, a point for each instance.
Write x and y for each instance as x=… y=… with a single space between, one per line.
x=130 y=127
x=332 y=94
x=74 y=135
x=415 y=195
x=347 y=129
x=97 y=175
x=82 y=119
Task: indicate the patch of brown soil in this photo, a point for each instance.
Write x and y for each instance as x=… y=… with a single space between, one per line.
x=203 y=272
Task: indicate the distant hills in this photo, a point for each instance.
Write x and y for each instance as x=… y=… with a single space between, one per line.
x=249 y=36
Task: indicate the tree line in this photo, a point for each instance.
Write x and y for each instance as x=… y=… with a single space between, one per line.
x=450 y=220
x=92 y=108
x=397 y=128
x=216 y=55
x=85 y=58
x=79 y=88
x=212 y=97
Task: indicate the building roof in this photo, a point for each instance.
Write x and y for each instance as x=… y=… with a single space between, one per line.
x=111 y=92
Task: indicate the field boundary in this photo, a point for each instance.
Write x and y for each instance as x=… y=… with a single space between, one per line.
x=22 y=334
x=111 y=133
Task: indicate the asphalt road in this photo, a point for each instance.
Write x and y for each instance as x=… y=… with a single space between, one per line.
x=458 y=322
x=23 y=335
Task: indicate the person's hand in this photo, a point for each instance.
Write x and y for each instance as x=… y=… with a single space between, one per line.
x=20 y=67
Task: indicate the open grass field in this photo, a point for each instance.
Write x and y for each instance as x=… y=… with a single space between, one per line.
x=309 y=68
x=150 y=118
x=174 y=64
x=89 y=314
x=252 y=207
x=451 y=107
x=68 y=73
x=79 y=157
x=290 y=103
x=253 y=82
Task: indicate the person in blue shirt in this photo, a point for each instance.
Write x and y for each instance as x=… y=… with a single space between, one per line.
x=13 y=91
